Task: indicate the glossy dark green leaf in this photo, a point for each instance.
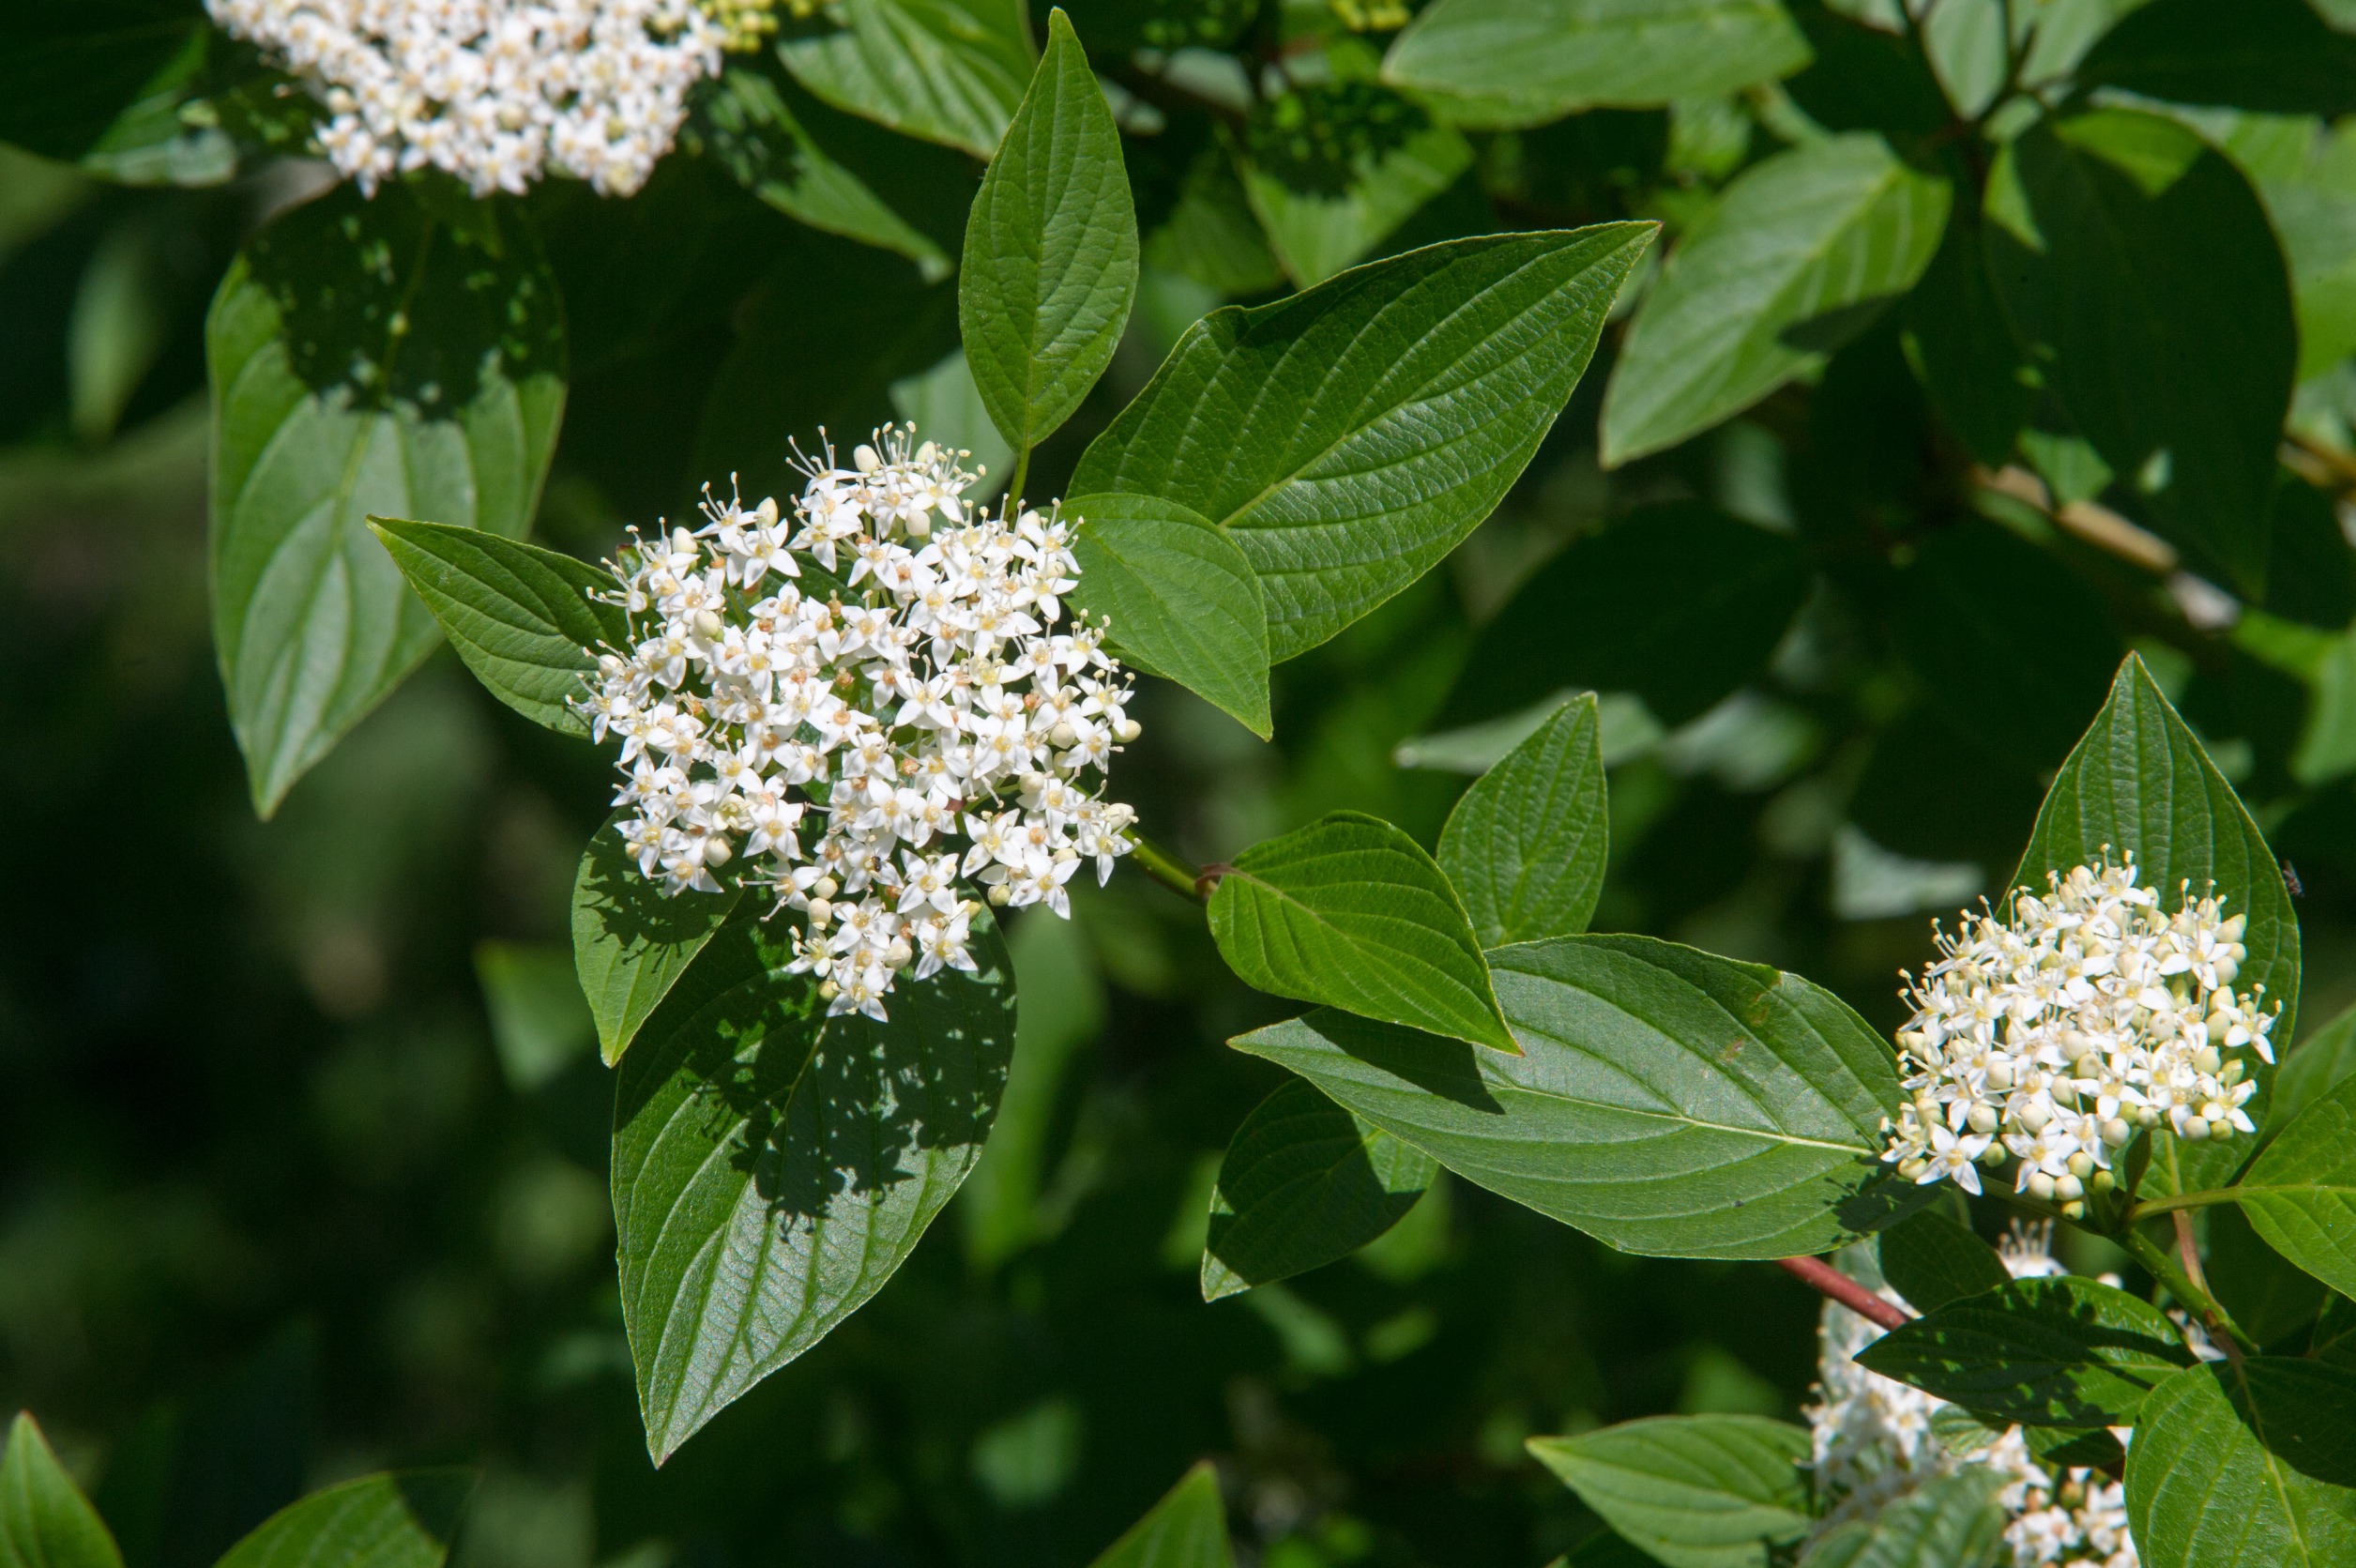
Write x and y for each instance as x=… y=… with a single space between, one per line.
x=632 y=941
x=1347 y=437
x=2139 y=783
x=1960 y=344
x=1352 y=912
x=2015 y=649
x=1187 y=1529
x=745 y=123
x=2300 y=1193
x=520 y=617
x=2138 y=270
x=1526 y=845
x=1801 y=251
x=1711 y=1491
x=1670 y=1102
x=1931 y=1261
x=2314 y=1068
x=401 y=1519
x=1509 y=63
x=1305 y=1183
x=1183 y=600
x=2273 y=55
x=773 y=1165
x=45 y=1521
x=2058 y=1352
x=947 y=71
x=2248 y=1465
x=1948 y=1522
x=2274 y=1302
x=367 y=358
x=1677 y=601
x=1050 y=251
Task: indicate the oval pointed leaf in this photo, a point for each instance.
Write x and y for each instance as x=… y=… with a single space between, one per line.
x=1670 y=1102
x=2301 y=1193
x=2254 y=1464
x=947 y=71
x=2137 y=266
x=1350 y=911
x=1931 y=1261
x=1349 y=436
x=1526 y=846
x=1050 y=251
x=404 y=1519
x=1948 y=1521
x=1187 y=1529
x=1510 y=64
x=2140 y=784
x=1800 y=254
x=773 y=1165
x=1183 y=601
x=45 y=1521
x=1304 y=1184
x=367 y=358
x=520 y=617
x=2314 y=1068
x=631 y=941
x=1315 y=233
x=2037 y=1352
x=1709 y=1491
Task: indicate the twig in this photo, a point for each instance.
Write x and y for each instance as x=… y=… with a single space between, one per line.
x=2189 y=1254
x=1172 y=873
x=1826 y=1280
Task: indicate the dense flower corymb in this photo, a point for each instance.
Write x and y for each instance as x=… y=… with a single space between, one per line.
x=2052 y=1035
x=494 y=91
x=916 y=724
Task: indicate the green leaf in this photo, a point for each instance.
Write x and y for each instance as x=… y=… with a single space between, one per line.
x=520 y=617
x=1520 y=62
x=2140 y=784
x=2334 y=1340
x=2266 y=1294
x=1316 y=231
x=1962 y=348
x=1712 y=1491
x=1050 y=251
x=2015 y=649
x=744 y=123
x=1670 y=1103
x=1931 y=1261
x=2059 y=1351
x=68 y=72
x=773 y=1166
x=1187 y=1529
x=2273 y=56
x=1183 y=600
x=1350 y=911
x=2254 y=1465
x=45 y=1521
x=1951 y=1521
x=2137 y=269
x=947 y=71
x=1304 y=1184
x=1212 y=236
x=1526 y=845
x=367 y=358
x=1800 y=254
x=1349 y=436
x=401 y=1519
x=1676 y=602
x=2300 y=1193
x=631 y=941
x=2313 y=1068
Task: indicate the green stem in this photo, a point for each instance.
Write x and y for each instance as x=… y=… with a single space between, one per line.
x=1015 y=490
x=1167 y=869
x=2171 y=1274
x=2201 y=1199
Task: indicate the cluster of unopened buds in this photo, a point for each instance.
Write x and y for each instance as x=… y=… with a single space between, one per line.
x=1876 y=1441
x=497 y=92
x=879 y=747
x=2052 y=1037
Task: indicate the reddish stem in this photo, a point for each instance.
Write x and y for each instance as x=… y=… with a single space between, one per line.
x=1824 y=1278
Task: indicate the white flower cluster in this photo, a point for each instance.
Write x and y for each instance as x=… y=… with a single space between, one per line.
x=2052 y=1037
x=926 y=700
x=1873 y=1444
x=492 y=91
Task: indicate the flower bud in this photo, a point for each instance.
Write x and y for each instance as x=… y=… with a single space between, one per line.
x=2101 y=1181
x=2206 y=1059
x=683 y=541
x=1063 y=734
x=828 y=990
x=2147 y=1117
x=898 y=953
x=2196 y=1130
x=2073 y=1210
x=2000 y=1075
x=999 y=893
x=708 y=625
x=2041 y=1186
x=1912 y=1169
x=826 y=887
x=2081 y=1163
x=2115 y=1133
x=766 y=513
x=2068 y=1188
x=716 y=851
x=821 y=911
x=1127 y=730
x=863 y=458
x=1983 y=1118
